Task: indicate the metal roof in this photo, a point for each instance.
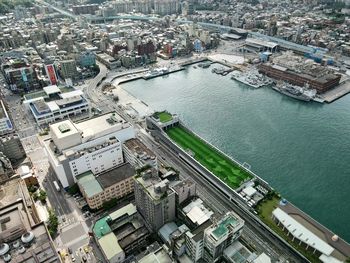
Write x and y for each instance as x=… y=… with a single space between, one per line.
x=302 y=233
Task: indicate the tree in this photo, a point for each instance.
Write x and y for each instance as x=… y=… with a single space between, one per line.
x=42 y=196
x=52 y=224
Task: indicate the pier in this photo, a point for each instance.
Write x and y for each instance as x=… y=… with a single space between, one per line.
x=337 y=92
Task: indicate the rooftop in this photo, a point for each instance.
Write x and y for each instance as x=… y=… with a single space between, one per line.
x=94 y=185
x=115 y=175
x=163 y=116
x=197 y=212
x=110 y=246
x=137 y=147
x=89 y=183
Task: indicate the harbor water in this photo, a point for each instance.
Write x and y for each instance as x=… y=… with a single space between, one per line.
x=301 y=148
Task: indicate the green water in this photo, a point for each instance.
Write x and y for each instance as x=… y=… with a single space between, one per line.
x=301 y=149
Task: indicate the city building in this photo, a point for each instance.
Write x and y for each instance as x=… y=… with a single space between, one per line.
x=154 y=199
x=87 y=59
x=107 y=60
x=20 y=75
x=184 y=190
x=113 y=184
x=85 y=9
x=120 y=233
x=296 y=70
x=5 y=121
x=221 y=235
x=166 y=7
x=162 y=120
x=138 y=155
x=23 y=237
x=55 y=103
x=68 y=69
x=11 y=146
x=90 y=145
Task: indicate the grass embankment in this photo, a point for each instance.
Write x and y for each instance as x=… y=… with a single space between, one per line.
x=213 y=160
x=265 y=209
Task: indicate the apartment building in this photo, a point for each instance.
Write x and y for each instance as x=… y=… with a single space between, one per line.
x=5 y=121
x=154 y=199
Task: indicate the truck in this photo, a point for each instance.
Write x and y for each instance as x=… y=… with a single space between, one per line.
x=56 y=186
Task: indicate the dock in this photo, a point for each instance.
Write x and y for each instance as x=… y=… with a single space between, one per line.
x=337 y=92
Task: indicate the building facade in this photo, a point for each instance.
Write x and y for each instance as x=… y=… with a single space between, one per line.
x=154 y=199
x=92 y=145
x=113 y=184
x=138 y=155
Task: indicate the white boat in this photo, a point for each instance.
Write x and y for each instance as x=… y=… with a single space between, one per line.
x=296 y=92
x=252 y=78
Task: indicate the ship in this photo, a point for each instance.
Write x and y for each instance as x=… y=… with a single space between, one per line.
x=156 y=73
x=252 y=78
x=204 y=64
x=296 y=92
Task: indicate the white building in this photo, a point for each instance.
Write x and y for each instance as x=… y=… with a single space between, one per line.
x=55 y=103
x=92 y=145
x=5 y=122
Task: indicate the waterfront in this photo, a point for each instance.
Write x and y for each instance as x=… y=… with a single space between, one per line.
x=301 y=149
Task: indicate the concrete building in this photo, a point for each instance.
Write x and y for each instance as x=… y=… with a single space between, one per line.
x=11 y=146
x=23 y=237
x=166 y=7
x=138 y=155
x=91 y=145
x=184 y=190
x=154 y=199
x=162 y=120
x=113 y=184
x=120 y=233
x=221 y=235
x=20 y=75
x=55 y=103
x=69 y=69
x=87 y=59
x=108 y=61
x=5 y=121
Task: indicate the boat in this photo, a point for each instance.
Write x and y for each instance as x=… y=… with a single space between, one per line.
x=204 y=64
x=251 y=78
x=156 y=73
x=296 y=92
x=194 y=66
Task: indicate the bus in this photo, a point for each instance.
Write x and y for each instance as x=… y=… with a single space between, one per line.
x=56 y=186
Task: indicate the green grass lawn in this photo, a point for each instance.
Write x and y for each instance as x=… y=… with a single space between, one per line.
x=209 y=157
x=265 y=211
x=164 y=116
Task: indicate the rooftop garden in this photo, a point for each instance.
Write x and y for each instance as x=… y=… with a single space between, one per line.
x=216 y=162
x=163 y=116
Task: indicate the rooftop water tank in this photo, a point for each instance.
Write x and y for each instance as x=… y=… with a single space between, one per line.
x=27 y=237
x=4 y=248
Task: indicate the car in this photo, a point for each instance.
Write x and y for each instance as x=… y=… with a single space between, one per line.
x=73 y=258
x=84 y=258
x=86 y=249
x=69 y=250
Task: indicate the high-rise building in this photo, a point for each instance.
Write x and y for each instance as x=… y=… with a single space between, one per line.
x=220 y=235
x=166 y=7
x=154 y=199
x=69 y=69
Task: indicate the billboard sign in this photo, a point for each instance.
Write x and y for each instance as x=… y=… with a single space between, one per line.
x=50 y=71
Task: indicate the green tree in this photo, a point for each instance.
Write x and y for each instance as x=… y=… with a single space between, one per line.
x=52 y=224
x=42 y=196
